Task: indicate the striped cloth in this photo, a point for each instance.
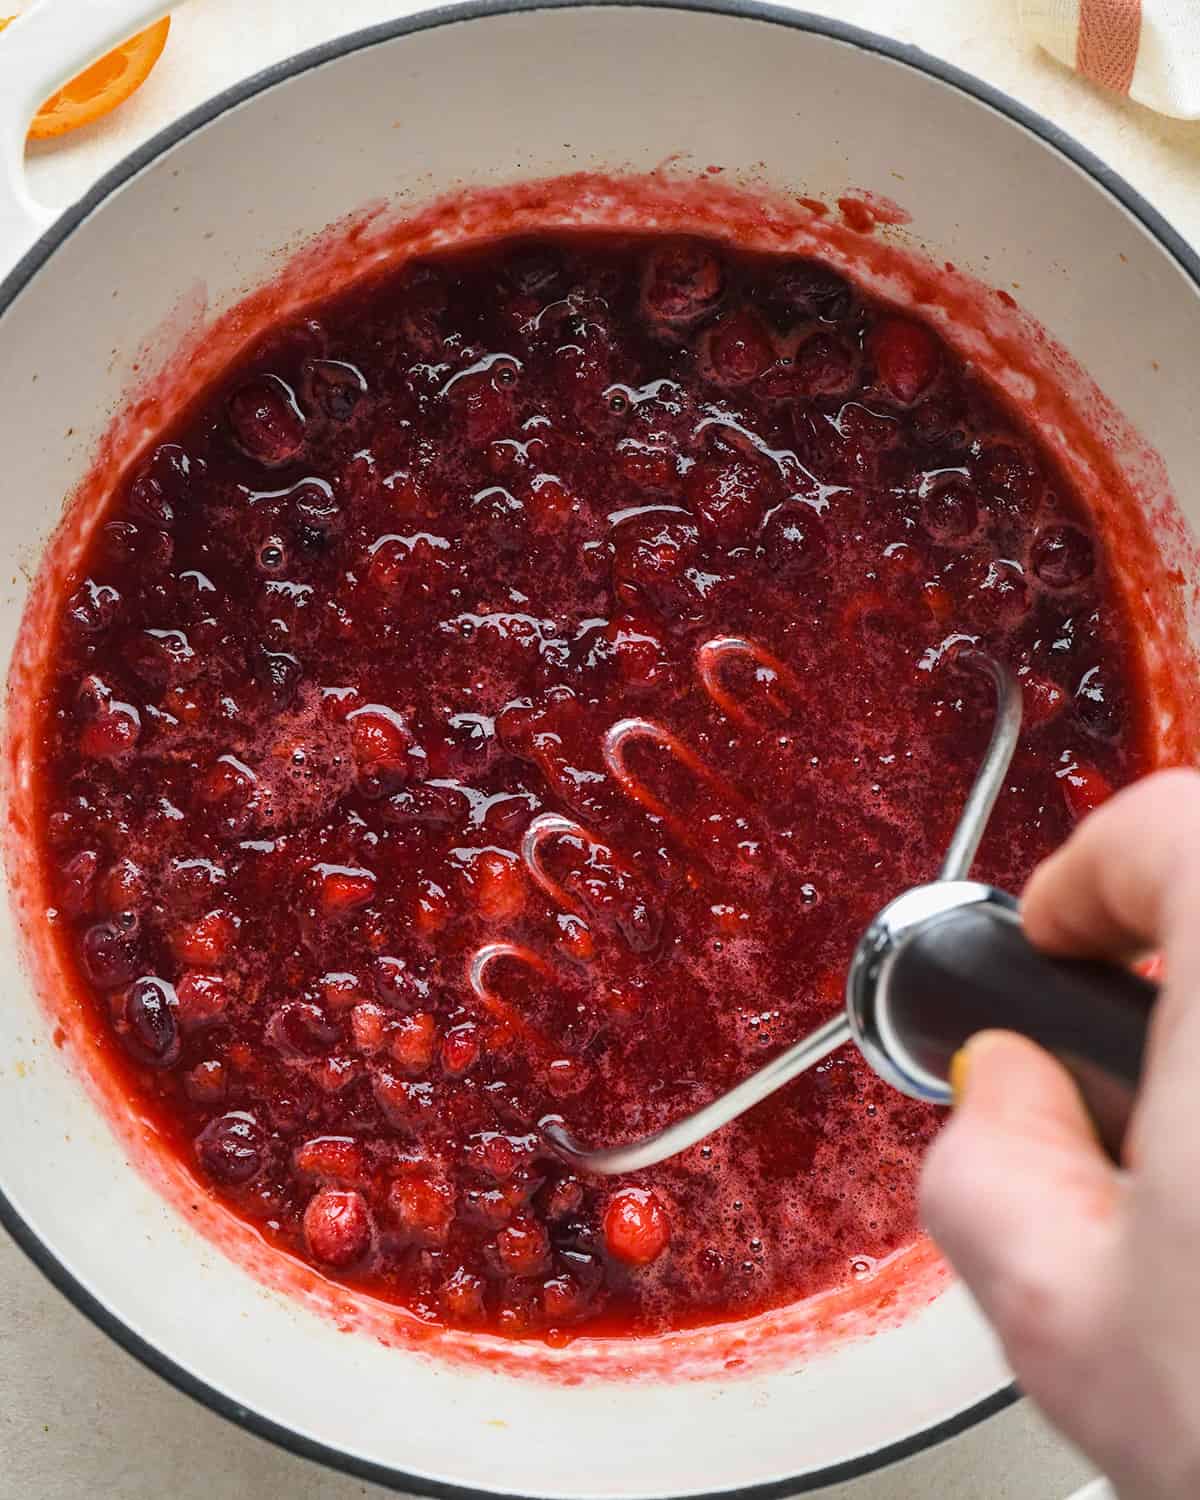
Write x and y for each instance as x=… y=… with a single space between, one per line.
x=1148 y=49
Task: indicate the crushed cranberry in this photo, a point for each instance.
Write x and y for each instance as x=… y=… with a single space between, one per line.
x=373 y=611
x=523 y=1248
x=423 y=1208
x=682 y=281
x=330 y=1158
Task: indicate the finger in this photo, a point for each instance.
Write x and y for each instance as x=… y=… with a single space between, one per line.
x=1127 y=880
x=1104 y=894
x=1019 y=1195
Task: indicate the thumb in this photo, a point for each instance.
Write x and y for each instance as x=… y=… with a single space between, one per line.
x=1019 y=1195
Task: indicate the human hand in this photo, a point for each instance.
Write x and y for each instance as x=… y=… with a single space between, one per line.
x=1089 y=1274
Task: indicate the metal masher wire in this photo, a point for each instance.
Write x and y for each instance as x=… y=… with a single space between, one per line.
x=989 y=779
x=677 y=1137
x=713 y=653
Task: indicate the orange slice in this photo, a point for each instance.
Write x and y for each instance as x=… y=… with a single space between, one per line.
x=103 y=86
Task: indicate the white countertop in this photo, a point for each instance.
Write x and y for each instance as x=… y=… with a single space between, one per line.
x=78 y=1416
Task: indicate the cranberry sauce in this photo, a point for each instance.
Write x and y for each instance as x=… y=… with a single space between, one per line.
x=511 y=692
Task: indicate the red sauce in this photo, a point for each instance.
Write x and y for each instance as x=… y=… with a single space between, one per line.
x=376 y=603
x=862 y=211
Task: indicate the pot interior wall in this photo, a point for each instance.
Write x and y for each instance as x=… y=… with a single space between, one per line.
x=478 y=101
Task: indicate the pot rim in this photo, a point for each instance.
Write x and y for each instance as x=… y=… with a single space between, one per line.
x=1156 y=225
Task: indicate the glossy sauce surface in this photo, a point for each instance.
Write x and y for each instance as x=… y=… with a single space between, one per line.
x=511 y=692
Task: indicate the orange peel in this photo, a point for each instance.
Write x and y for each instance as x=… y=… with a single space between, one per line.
x=98 y=89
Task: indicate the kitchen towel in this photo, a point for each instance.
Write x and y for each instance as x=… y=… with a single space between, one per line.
x=1148 y=49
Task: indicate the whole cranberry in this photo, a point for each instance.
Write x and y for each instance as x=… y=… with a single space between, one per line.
x=793 y=540
x=563 y=1300
x=993 y=590
x=229 y=790
x=163 y=486
x=564 y=1199
x=192 y=883
x=381 y=742
x=334 y=387
x=951 y=512
x=110 y=955
x=907 y=357
x=232 y=1148
x=737 y=349
x=317 y=515
x=111 y=729
x=1063 y=556
x=147 y=1024
x=636 y=1227
x=823 y=366
x=339 y=890
x=412 y=1042
x=461 y=1047
x=206 y=941
x=337 y=1226
x=266 y=421
x=93 y=607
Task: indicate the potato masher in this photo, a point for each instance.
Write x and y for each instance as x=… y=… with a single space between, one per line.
x=939 y=963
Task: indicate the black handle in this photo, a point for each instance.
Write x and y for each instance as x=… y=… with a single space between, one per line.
x=972 y=968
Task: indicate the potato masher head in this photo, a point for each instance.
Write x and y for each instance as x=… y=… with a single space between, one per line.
x=937 y=964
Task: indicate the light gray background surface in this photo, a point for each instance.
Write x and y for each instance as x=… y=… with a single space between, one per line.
x=79 y=1417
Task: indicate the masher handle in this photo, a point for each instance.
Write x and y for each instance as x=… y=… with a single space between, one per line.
x=972 y=969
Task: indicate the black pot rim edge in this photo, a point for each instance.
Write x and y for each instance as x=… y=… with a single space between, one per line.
x=32 y=261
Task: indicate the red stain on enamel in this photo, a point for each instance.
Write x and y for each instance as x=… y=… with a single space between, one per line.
x=862 y=211
x=857 y=215
x=377 y=1051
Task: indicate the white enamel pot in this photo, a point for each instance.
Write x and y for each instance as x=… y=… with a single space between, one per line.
x=488 y=96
